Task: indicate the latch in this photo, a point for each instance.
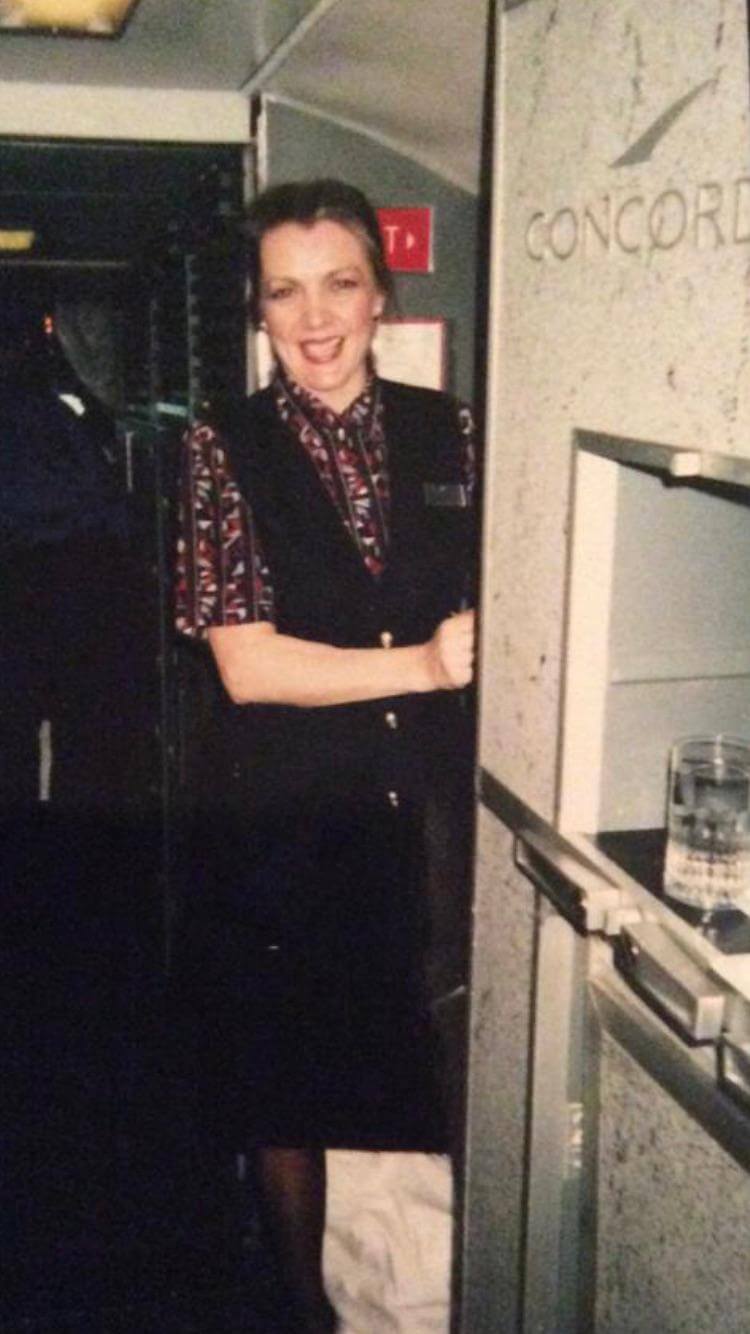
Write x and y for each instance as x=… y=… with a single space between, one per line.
x=677 y=986
x=579 y=891
x=734 y=1068
x=733 y=1054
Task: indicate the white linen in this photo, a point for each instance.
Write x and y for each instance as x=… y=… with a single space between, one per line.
x=387 y=1249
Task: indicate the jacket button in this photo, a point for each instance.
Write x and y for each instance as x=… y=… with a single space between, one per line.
x=391 y=720
x=386 y=639
x=393 y=799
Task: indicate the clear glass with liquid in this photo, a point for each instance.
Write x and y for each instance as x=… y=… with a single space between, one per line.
x=708 y=823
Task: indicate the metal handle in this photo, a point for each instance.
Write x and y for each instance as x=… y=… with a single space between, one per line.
x=671 y=981
x=734 y=1068
x=128 y=443
x=578 y=890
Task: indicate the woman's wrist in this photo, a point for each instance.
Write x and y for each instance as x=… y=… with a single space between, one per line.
x=421 y=664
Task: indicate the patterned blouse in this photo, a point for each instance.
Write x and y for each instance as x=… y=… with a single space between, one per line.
x=222 y=575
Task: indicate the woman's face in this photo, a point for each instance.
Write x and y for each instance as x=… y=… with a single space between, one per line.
x=319 y=302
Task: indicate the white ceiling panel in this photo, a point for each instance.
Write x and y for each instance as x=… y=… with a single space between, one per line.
x=215 y=44
x=410 y=73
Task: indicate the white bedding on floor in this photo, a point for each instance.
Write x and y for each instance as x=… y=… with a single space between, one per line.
x=387 y=1251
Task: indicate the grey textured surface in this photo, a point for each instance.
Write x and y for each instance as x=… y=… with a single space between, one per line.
x=618 y=306
x=673 y=1215
x=646 y=339
x=500 y=1026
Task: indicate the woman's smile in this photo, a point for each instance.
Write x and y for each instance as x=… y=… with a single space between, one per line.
x=322 y=350
x=320 y=304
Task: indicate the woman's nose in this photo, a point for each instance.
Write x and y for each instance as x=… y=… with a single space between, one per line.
x=315 y=311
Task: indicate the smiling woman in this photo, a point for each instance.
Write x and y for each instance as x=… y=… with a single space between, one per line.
x=320 y=301
x=333 y=592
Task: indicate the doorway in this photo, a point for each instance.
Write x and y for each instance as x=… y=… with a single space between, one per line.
x=130 y=301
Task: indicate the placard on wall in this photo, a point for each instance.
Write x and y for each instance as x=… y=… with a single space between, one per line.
x=407 y=238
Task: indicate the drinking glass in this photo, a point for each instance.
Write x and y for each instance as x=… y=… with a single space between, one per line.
x=708 y=822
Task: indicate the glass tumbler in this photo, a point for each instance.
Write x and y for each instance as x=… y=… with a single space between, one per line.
x=708 y=822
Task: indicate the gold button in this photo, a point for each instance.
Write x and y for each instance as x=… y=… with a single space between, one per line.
x=391 y=720
x=393 y=798
x=386 y=639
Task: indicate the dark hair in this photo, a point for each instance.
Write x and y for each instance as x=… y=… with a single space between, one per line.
x=307 y=202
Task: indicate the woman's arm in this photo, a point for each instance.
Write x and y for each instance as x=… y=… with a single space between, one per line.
x=260 y=666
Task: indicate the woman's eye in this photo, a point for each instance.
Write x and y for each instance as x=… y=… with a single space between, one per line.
x=278 y=293
x=344 y=284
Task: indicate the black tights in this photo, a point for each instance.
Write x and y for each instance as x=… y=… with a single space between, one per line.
x=293 y=1183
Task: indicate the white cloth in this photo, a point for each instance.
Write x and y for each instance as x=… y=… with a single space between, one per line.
x=387 y=1250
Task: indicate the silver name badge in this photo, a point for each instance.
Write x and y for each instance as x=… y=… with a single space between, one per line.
x=453 y=495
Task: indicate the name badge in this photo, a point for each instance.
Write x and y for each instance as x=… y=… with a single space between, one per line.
x=450 y=495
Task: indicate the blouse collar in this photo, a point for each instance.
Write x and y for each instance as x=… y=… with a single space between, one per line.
x=290 y=395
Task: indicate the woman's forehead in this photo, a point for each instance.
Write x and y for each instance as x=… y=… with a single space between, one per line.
x=323 y=244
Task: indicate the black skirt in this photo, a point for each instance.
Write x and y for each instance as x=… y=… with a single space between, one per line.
x=302 y=968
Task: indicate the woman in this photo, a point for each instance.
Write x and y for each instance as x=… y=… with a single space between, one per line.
x=326 y=554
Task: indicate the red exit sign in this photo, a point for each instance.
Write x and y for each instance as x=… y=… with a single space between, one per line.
x=407 y=238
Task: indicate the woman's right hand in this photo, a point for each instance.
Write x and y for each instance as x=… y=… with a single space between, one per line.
x=450 y=652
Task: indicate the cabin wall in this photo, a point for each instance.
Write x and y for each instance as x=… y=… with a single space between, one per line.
x=300 y=145
x=63 y=111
